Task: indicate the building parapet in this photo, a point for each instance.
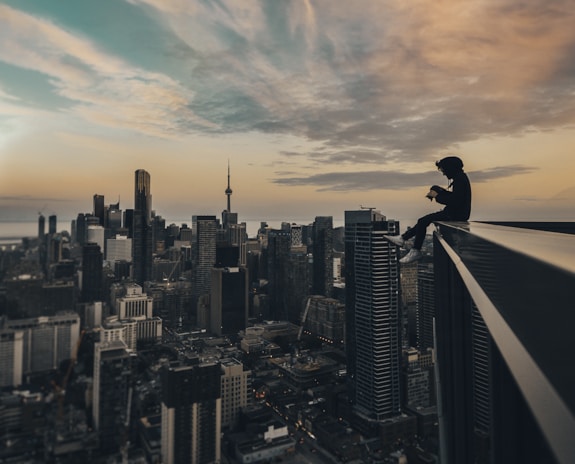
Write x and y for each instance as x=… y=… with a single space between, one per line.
x=520 y=283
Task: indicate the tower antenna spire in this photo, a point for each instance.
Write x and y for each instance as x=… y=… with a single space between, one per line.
x=229 y=190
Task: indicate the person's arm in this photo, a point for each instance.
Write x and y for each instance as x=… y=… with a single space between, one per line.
x=454 y=198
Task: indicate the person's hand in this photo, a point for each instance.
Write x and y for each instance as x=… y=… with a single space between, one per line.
x=431 y=194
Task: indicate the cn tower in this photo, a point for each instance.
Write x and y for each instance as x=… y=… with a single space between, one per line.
x=229 y=190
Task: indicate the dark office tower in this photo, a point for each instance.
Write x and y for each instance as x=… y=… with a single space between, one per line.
x=142 y=230
x=408 y=281
x=54 y=248
x=323 y=256
x=129 y=222
x=299 y=274
x=41 y=226
x=239 y=237
x=159 y=234
x=425 y=306
x=372 y=315
x=99 y=209
x=52 y=224
x=227 y=256
x=73 y=230
x=111 y=394
x=114 y=218
x=81 y=229
x=92 y=260
x=191 y=413
x=229 y=301
x=278 y=261
x=203 y=253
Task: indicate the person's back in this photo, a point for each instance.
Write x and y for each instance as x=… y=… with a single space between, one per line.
x=457 y=201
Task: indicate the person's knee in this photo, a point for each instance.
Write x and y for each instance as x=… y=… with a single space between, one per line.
x=424 y=221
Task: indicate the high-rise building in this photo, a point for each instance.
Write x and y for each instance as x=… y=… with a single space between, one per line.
x=52 y=224
x=128 y=218
x=503 y=331
x=235 y=389
x=81 y=227
x=323 y=256
x=99 y=209
x=278 y=261
x=409 y=285
x=298 y=284
x=114 y=218
x=229 y=300
x=325 y=319
x=134 y=304
x=119 y=248
x=372 y=315
x=41 y=226
x=425 y=306
x=191 y=413
x=135 y=313
x=54 y=249
x=172 y=302
x=203 y=253
x=238 y=237
x=97 y=234
x=142 y=228
x=11 y=357
x=417 y=381
x=296 y=233
x=158 y=233
x=91 y=314
x=47 y=340
x=92 y=261
x=111 y=393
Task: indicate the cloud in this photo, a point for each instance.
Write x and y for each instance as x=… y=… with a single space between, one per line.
x=499 y=172
x=369 y=82
x=27 y=198
x=390 y=180
x=351 y=156
x=104 y=89
x=406 y=79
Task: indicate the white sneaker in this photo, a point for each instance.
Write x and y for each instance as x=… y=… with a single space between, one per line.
x=395 y=239
x=411 y=256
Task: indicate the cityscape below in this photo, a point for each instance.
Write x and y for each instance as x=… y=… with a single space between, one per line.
x=128 y=339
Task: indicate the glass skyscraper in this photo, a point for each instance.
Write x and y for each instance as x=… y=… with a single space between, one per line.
x=373 y=343
x=142 y=228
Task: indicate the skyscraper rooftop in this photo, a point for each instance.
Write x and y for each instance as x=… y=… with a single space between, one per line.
x=506 y=294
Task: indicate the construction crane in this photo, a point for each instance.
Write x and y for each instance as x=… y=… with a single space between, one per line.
x=167 y=279
x=60 y=390
x=126 y=443
x=303 y=319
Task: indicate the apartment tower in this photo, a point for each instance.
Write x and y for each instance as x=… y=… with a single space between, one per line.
x=372 y=315
x=191 y=413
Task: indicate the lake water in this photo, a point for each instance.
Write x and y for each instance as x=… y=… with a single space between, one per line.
x=14 y=231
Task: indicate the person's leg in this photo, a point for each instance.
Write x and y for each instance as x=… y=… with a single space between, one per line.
x=409 y=233
x=421 y=227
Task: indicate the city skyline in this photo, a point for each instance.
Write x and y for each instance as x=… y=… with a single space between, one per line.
x=318 y=107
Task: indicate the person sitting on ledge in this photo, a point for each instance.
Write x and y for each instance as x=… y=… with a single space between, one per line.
x=457 y=203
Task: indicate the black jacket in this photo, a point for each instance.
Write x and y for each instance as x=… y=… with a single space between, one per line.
x=457 y=201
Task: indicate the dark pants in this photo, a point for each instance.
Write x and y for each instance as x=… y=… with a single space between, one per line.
x=419 y=230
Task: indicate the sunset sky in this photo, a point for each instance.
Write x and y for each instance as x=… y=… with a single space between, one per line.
x=319 y=106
